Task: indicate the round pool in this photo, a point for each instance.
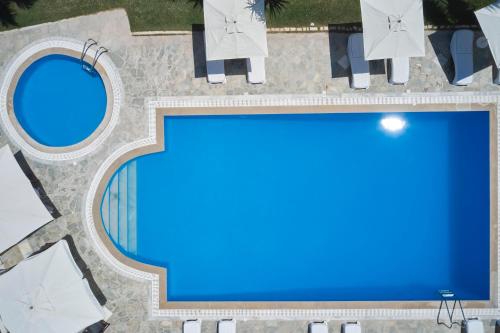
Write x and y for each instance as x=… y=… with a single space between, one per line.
x=57 y=102
x=55 y=109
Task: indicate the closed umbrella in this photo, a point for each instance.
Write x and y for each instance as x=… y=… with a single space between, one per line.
x=392 y=28
x=47 y=293
x=234 y=29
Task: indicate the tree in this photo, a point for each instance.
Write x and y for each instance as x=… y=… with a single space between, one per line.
x=275 y=6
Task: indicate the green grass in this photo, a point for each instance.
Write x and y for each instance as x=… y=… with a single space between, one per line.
x=147 y=15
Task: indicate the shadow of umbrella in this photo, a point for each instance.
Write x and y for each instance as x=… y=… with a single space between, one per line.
x=440 y=41
x=199 y=55
x=337 y=40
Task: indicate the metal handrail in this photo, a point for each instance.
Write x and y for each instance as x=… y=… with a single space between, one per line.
x=98 y=53
x=88 y=44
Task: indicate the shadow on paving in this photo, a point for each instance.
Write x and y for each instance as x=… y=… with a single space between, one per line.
x=339 y=61
x=199 y=53
x=440 y=41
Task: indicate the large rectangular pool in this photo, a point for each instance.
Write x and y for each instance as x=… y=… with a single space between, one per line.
x=313 y=207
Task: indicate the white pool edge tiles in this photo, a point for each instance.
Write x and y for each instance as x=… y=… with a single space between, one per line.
x=276 y=100
x=24 y=55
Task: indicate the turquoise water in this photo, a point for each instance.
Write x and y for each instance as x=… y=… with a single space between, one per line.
x=311 y=207
x=58 y=103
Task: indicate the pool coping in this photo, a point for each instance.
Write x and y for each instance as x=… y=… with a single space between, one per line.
x=157 y=108
x=58 y=45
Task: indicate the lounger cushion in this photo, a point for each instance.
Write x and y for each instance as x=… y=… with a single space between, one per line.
x=318 y=328
x=360 y=68
x=227 y=326
x=215 y=71
x=191 y=326
x=474 y=326
x=256 y=68
x=461 y=48
x=400 y=70
x=351 y=328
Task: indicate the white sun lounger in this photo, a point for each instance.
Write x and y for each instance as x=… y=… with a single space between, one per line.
x=351 y=327
x=256 y=69
x=226 y=326
x=360 y=68
x=461 y=51
x=215 y=71
x=474 y=326
x=191 y=326
x=400 y=70
x=318 y=327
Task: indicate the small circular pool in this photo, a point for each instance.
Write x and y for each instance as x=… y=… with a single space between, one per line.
x=57 y=102
x=52 y=106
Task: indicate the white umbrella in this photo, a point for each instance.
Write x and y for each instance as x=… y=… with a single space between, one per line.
x=47 y=293
x=234 y=29
x=393 y=28
x=21 y=210
x=489 y=19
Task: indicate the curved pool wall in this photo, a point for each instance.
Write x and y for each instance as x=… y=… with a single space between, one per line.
x=58 y=103
x=310 y=207
x=53 y=145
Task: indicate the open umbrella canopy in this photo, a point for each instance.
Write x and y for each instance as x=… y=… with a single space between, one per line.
x=21 y=210
x=47 y=293
x=489 y=19
x=234 y=29
x=393 y=28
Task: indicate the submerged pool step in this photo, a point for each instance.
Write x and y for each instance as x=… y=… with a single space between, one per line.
x=118 y=209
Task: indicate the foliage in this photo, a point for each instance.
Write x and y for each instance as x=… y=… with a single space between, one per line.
x=452 y=12
x=7 y=12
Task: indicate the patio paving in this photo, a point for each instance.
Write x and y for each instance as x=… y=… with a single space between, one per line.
x=298 y=63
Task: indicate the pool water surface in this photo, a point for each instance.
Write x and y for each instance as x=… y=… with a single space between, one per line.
x=316 y=207
x=57 y=103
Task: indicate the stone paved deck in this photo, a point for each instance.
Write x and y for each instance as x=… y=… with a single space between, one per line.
x=298 y=63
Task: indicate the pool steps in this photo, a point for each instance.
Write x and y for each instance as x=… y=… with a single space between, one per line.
x=119 y=207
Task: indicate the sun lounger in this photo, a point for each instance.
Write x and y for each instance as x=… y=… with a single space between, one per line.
x=256 y=68
x=215 y=71
x=318 y=327
x=360 y=68
x=191 y=326
x=351 y=327
x=461 y=52
x=400 y=70
x=474 y=326
x=226 y=326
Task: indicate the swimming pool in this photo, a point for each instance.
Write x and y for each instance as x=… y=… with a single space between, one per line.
x=58 y=103
x=51 y=107
x=332 y=207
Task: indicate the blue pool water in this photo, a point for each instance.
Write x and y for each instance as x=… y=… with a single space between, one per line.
x=58 y=103
x=310 y=207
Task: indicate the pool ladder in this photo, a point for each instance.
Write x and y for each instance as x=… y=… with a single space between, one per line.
x=448 y=295
x=86 y=47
